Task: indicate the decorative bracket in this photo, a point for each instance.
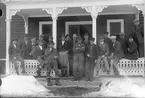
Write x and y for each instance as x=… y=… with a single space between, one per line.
x=140 y=7
x=55 y=11
x=13 y=12
x=94 y=10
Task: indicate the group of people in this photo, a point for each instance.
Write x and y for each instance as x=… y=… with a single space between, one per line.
x=82 y=54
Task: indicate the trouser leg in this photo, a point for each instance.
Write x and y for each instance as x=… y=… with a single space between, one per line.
x=15 y=66
x=22 y=64
x=106 y=63
x=80 y=65
x=40 y=66
x=87 y=71
x=114 y=64
x=75 y=66
x=70 y=64
x=141 y=50
x=92 y=65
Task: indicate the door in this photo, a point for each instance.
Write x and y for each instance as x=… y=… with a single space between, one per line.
x=74 y=29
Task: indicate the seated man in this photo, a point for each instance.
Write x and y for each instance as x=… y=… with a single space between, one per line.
x=51 y=63
x=15 y=55
x=103 y=54
x=132 y=53
x=38 y=53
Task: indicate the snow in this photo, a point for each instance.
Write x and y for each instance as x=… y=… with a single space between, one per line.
x=17 y=85
x=122 y=88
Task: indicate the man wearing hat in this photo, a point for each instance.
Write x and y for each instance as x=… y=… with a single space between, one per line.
x=139 y=37
x=78 y=59
x=26 y=47
x=50 y=60
x=41 y=38
x=103 y=54
x=108 y=41
x=123 y=42
x=15 y=55
x=92 y=56
x=116 y=54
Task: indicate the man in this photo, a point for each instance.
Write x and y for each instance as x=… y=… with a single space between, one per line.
x=26 y=47
x=86 y=43
x=123 y=42
x=108 y=41
x=91 y=58
x=15 y=55
x=139 y=37
x=132 y=53
x=51 y=63
x=74 y=38
x=63 y=56
x=116 y=54
x=103 y=54
x=38 y=54
x=50 y=39
x=33 y=45
x=41 y=38
x=78 y=59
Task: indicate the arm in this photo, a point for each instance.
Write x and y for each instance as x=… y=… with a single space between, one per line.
x=75 y=49
x=118 y=47
x=10 y=51
x=107 y=52
x=82 y=49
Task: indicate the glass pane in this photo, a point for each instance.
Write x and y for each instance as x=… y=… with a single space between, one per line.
x=47 y=29
x=115 y=28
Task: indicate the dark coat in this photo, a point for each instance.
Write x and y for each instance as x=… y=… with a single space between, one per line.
x=123 y=43
x=78 y=48
x=87 y=44
x=109 y=42
x=36 y=52
x=26 y=49
x=103 y=49
x=93 y=51
x=132 y=51
x=13 y=52
x=117 y=50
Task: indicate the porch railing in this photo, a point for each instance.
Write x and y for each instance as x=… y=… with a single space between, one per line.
x=125 y=67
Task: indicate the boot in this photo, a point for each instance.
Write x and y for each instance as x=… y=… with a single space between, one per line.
x=38 y=72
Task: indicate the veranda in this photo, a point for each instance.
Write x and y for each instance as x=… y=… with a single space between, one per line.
x=56 y=9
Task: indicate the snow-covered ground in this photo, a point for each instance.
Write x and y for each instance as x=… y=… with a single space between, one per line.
x=17 y=85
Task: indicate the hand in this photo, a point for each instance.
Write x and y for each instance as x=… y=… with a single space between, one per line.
x=30 y=53
x=128 y=49
x=66 y=51
x=103 y=56
x=15 y=58
x=95 y=61
x=55 y=57
x=50 y=49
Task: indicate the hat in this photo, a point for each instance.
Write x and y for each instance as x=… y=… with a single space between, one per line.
x=79 y=38
x=74 y=35
x=121 y=33
x=135 y=20
x=41 y=36
x=106 y=32
x=92 y=39
x=113 y=37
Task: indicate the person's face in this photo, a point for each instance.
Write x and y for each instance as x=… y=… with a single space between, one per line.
x=130 y=39
x=136 y=23
x=15 y=42
x=113 y=40
x=40 y=38
x=101 y=40
x=63 y=38
x=40 y=43
x=25 y=38
x=51 y=45
x=86 y=36
x=91 y=42
x=50 y=39
x=33 y=40
x=105 y=35
x=121 y=36
x=67 y=38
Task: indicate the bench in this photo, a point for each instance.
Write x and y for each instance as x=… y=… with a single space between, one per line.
x=125 y=67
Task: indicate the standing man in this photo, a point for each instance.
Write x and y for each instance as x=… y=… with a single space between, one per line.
x=38 y=54
x=103 y=54
x=26 y=47
x=116 y=54
x=15 y=55
x=33 y=45
x=108 y=41
x=78 y=59
x=63 y=56
x=139 y=37
x=86 y=43
x=91 y=58
x=50 y=60
x=41 y=38
x=123 y=42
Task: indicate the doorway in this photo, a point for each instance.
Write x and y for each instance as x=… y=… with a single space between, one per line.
x=80 y=28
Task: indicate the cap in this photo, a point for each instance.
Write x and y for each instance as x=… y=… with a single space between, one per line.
x=92 y=39
x=74 y=35
x=106 y=32
x=79 y=38
x=135 y=20
x=121 y=33
x=113 y=37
